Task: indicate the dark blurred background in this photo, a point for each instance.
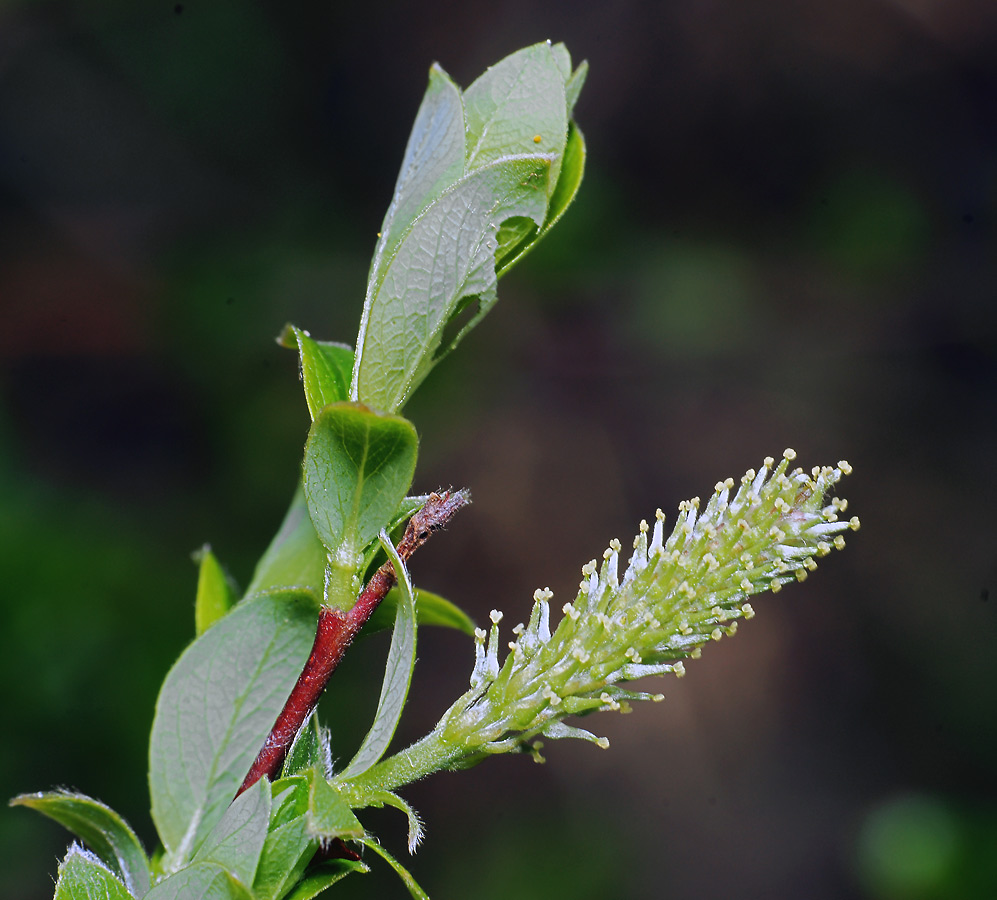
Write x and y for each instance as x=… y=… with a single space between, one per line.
x=786 y=237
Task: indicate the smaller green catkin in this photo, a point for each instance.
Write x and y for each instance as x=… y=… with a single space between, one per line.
x=676 y=595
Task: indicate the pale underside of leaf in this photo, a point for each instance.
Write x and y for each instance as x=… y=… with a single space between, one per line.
x=236 y=842
x=524 y=239
x=200 y=881
x=215 y=709
x=447 y=255
x=515 y=102
x=433 y=161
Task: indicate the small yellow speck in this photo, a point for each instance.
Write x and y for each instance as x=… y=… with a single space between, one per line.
x=537 y=139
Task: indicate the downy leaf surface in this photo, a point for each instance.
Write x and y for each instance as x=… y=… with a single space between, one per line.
x=236 y=842
x=309 y=750
x=513 y=103
x=215 y=709
x=433 y=161
x=200 y=881
x=288 y=847
x=519 y=236
x=103 y=830
x=82 y=876
x=447 y=258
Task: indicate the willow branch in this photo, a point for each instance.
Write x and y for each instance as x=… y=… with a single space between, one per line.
x=337 y=629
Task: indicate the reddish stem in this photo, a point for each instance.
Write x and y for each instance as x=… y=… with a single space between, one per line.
x=337 y=629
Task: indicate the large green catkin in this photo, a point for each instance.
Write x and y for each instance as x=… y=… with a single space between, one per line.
x=675 y=596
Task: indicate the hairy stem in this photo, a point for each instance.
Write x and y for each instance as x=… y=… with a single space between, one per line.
x=335 y=632
x=428 y=755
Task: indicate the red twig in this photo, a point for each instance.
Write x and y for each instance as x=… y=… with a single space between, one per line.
x=337 y=629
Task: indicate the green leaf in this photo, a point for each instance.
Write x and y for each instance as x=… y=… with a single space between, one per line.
x=521 y=240
x=358 y=467
x=82 y=876
x=433 y=161
x=514 y=102
x=200 y=881
x=288 y=847
x=562 y=58
x=107 y=834
x=325 y=876
x=295 y=559
x=310 y=749
x=397 y=672
x=326 y=368
x=236 y=842
x=430 y=609
x=215 y=709
x=378 y=798
x=329 y=815
x=445 y=264
x=215 y=595
x=573 y=86
x=413 y=888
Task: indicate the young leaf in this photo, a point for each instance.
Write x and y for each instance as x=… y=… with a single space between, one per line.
x=448 y=256
x=433 y=161
x=215 y=709
x=310 y=749
x=200 y=881
x=82 y=876
x=326 y=368
x=562 y=58
x=325 y=876
x=295 y=559
x=215 y=595
x=236 y=842
x=524 y=236
x=379 y=799
x=397 y=672
x=413 y=888
x=107 y=834
x=358 y=467
x=329 y=815
x=430 y=609
x=573 y=86
x=288 y=846
x=511 y=105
